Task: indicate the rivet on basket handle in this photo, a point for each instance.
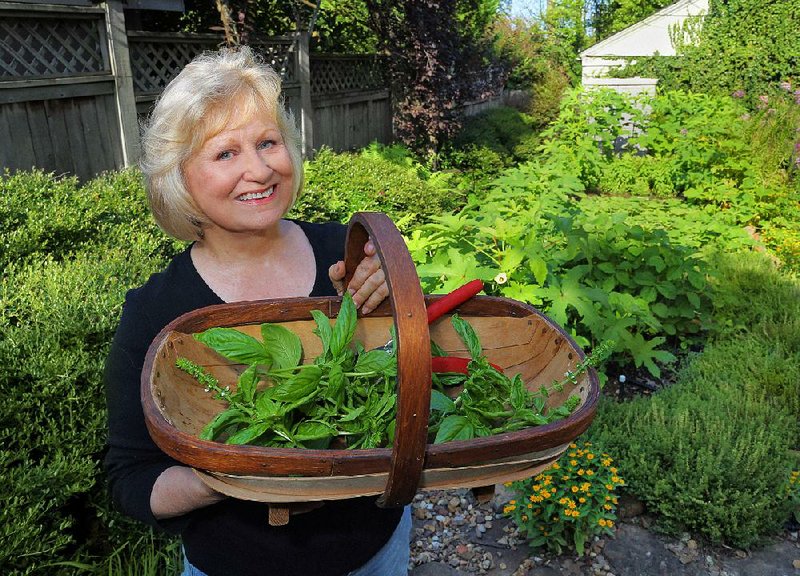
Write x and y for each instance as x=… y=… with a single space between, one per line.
x=412 y=342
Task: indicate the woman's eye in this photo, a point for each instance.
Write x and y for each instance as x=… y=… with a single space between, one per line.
x=224 y=155
x=264 y=144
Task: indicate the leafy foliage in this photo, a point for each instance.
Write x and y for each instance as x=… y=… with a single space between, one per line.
x=711 y=453
x=604 y=276
x=348 y=394
x=379 y=179
x=742 y=45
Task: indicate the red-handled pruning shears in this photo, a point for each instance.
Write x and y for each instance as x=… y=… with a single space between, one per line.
x=449 y=301
x=442 y=306
x=441 y=364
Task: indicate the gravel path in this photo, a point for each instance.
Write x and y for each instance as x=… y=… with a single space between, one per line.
x=456 y=534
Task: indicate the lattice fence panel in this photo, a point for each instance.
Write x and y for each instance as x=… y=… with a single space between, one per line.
x=50 y=47
x=156 y=61
x=346 y=74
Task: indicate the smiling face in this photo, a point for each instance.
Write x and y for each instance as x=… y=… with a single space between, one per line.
x=241 y=177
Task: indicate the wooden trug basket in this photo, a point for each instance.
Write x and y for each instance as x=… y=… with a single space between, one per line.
x=514 y=336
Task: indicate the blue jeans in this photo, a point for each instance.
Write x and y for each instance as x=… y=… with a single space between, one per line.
x=391 y=560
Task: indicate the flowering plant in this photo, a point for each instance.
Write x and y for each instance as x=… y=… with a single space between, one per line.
x=794 y=494
x=569 y=502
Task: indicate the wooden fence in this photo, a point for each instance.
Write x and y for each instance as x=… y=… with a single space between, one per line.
x=74 y=84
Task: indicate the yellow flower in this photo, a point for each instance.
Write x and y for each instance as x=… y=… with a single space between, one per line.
x=582 y=500
x=590 y=472
x=585 y=487
x=563 y=500
x=574 y=488
x=607 y=506
x=573 y=445
x=602 y=522
x=609 y=523
x=555 y=466
x=613 y=470
x=609 y=486
x=589 y=456
x=606 y=461
x=573 y=462
x=524 y=518
x=580 y=472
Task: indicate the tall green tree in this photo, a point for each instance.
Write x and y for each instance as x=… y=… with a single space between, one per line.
x=608 y=17
x=564 y=24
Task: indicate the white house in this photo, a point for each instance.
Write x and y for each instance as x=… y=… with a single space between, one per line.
x=645 y=38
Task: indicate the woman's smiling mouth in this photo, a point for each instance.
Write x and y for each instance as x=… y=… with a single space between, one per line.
x=257 y=195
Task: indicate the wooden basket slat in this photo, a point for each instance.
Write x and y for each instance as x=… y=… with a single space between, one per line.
x=278 y=489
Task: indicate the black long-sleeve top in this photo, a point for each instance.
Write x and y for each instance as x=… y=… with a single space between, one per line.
x=232 y=537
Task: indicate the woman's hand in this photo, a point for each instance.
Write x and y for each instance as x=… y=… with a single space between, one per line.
x=368 y=286
x=178 y=490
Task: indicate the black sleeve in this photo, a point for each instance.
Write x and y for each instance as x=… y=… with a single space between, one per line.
x=133 y=461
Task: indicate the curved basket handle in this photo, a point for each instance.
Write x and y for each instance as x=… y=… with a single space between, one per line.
x=413 y=345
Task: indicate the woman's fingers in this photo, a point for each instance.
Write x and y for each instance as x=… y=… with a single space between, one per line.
x=368 y=286
x=336 y=274
x=371 y=293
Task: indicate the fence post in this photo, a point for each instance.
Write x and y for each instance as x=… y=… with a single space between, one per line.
x=123 y=81
x=303 y=68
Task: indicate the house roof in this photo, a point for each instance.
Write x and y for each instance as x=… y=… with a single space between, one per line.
x=650 y=35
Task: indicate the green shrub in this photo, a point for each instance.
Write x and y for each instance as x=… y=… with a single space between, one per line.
x=58 y=318
x=69 y=253
x=711 y=454
x=41 y=214
x=339 y=184
x=705 y=459
x=633 y=272
x=547 y=96
x=500 y=129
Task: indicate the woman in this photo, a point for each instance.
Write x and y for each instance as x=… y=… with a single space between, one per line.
x=222 y=168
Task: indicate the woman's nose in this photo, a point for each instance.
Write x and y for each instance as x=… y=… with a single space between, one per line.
x=257 y=168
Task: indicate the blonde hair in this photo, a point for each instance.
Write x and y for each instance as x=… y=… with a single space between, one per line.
x=196 y=106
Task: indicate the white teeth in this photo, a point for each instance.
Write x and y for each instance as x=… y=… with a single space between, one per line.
x=258 y=195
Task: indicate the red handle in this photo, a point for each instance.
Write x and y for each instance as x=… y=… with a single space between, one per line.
x=456 y=297
x=441 y=364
